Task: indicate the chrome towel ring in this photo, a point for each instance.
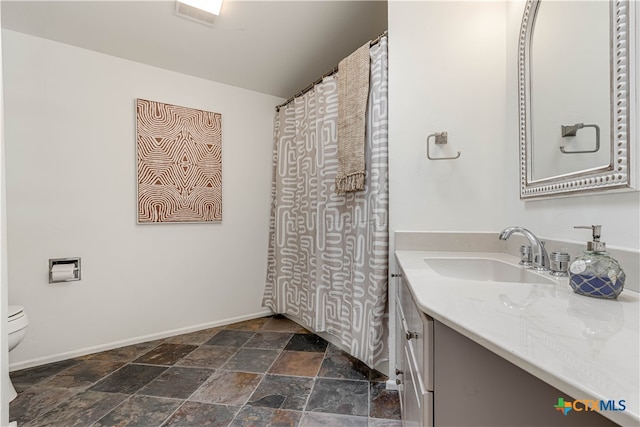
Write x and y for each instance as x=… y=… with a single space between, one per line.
x=440 y=138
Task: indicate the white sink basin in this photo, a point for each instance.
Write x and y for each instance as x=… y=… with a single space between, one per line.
x=484 y=270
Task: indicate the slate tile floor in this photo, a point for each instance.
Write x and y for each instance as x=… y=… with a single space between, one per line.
x=262 y=372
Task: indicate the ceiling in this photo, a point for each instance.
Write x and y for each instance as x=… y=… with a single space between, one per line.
x=273 y=47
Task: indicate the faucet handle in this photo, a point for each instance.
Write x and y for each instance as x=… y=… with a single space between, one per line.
x=525 y=255
x=560 y=264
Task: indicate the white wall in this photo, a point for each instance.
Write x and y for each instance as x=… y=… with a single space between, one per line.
x=453 y=67
x=71 y=191
x=447 y=73
x=619 y=213
x=4 y=359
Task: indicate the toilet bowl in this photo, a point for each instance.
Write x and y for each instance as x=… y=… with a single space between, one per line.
x=18 y=323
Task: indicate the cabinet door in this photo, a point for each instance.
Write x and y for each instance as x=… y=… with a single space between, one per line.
x=412 y=399
x=414 y=347
x=419 y=336
x=423 y=345
x=399 y=352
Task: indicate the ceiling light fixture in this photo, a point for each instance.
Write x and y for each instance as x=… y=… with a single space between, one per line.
x=210 y=6
x=202 y=11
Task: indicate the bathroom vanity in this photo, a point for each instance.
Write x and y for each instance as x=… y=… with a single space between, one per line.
x=503 y=351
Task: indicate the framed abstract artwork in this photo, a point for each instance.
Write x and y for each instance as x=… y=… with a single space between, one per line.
x=179 y=155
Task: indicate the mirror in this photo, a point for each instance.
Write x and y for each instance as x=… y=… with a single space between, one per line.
x=575 y=99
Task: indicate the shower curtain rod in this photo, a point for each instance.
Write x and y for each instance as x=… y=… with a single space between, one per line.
x=327 y=74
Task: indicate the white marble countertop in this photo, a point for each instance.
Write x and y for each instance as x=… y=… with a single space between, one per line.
x=586 y=347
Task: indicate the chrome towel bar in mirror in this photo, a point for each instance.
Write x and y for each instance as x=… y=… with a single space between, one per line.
x=572 y=130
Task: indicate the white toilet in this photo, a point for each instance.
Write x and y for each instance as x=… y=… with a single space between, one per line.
x=18 y=323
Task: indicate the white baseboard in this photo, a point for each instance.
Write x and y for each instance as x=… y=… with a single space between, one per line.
x=110 y=346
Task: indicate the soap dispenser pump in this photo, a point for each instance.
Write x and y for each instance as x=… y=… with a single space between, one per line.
x=595 y=273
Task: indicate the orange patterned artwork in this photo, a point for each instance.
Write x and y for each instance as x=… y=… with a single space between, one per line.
x=179 y=163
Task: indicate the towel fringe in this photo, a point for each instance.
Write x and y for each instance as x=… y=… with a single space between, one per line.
x=350 y=183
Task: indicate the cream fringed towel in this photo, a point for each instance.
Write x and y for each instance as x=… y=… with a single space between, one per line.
x=353 y=91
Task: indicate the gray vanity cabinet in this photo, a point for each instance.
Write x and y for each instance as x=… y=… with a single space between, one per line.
x=446 y=379
x=414 y=359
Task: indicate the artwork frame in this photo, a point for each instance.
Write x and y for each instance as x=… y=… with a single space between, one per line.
x=179 y=164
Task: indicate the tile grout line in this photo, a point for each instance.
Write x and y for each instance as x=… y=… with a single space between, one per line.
x=281 y=350
x=181 y=366
x=82 y=390
x=112 y=409
x=214 y=372
x=261 y=379
x=173 y=413
x=313 y=386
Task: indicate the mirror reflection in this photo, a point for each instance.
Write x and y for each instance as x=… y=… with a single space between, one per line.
x=570 y=88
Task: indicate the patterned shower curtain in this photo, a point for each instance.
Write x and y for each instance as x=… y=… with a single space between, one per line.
x=328 y=252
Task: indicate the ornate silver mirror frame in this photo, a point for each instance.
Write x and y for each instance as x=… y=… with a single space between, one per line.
x=617 y=175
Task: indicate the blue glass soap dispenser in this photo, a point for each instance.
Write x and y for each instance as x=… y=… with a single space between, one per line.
x=595 y=273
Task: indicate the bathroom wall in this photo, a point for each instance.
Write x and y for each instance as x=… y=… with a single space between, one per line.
x=447 y=72
x=4 y=358
x=71 y=191
x=453 y=67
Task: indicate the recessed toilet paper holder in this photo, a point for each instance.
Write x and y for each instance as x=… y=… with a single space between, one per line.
x=64 y=269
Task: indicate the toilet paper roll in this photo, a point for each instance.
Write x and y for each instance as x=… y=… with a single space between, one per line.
x=63 y=272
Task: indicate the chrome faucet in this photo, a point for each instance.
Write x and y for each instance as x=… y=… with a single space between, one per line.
x=541 y=258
